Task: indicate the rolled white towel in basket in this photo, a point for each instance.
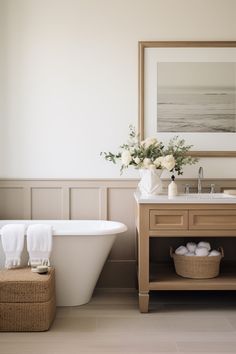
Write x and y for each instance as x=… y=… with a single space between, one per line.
x=39 y=244
x=181 y=250
x=214 y=253
x=201 y=251
x=13 y=244
x=190 y=254
x=191 y=246
x=205 y=245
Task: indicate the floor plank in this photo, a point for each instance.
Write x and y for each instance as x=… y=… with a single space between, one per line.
x=181 y=322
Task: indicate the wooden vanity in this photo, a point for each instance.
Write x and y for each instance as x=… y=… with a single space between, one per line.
x=182 y=216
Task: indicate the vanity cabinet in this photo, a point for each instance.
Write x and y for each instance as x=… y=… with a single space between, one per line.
x=161 y=217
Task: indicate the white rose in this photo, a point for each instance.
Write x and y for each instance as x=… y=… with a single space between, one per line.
x=169 y=162
x=152 y=166
x=137 y=160
x=158 y=162
x=146 y=162
x=126 y=157
x=131 y=149
x=148 y=142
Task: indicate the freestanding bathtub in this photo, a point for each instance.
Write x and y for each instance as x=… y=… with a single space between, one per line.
x=80 y=249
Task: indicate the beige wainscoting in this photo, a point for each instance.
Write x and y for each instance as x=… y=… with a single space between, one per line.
x=110 y=199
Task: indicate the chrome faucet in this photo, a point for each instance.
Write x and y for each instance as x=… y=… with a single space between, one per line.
x=199 y=183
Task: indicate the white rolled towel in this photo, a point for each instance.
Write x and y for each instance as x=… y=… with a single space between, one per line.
x=190 y=254
x=201 y=251
x=191 y=246
x=205 y=245
x=214 y=253
x=181 y=250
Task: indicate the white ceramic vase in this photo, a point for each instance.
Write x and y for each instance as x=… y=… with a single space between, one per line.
x=150 y=183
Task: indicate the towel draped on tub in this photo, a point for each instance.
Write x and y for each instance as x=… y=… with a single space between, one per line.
x=13 y=244
x=39 y=244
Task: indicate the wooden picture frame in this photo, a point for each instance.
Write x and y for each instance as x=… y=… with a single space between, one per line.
x=226 y=51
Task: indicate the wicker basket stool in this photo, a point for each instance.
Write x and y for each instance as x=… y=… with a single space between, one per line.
x=27 y=300
x=196 y=267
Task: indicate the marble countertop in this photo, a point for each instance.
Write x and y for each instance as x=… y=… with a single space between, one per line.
x=191 y=198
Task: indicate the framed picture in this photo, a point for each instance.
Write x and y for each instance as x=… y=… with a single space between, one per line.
x=189 y=89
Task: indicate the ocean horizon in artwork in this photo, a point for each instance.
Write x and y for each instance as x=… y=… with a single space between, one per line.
x=196 y=109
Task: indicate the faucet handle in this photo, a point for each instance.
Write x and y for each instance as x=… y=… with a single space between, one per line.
x=212 y=188
x=186 y=188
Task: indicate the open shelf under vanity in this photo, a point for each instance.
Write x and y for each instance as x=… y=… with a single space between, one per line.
x=163 y=277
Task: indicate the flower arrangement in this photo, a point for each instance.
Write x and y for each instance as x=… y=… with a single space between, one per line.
x=152 y=154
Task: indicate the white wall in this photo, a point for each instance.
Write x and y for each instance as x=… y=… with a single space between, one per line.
x=71 y=78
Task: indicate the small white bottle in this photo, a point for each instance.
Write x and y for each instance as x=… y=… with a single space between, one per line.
x=172 y=188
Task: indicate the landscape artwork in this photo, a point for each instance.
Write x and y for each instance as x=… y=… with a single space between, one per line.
x=196 y=97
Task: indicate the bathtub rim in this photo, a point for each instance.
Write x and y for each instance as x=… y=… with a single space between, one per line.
x=117 y=227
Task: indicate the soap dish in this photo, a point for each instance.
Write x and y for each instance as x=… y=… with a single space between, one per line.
x=40 y=269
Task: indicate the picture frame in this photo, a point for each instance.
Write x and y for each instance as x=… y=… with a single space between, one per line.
x=151 y=54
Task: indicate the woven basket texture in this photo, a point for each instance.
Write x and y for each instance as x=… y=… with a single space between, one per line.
x=27 y=317
x=195 y=267
x=22 y=285
x=27 y=300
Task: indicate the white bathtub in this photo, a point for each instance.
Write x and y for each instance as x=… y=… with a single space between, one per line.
x=80 y=249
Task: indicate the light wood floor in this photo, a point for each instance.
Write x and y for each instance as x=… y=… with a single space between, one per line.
x=111 y=323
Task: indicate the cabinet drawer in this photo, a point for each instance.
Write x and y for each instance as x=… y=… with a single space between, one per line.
x=168 y=219
x=212 y=219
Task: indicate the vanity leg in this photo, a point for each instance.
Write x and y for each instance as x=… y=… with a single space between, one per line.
x=143 y=258
x=143 y=302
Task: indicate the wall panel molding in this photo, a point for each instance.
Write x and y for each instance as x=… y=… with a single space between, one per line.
x=27 y=202
x=65 y=203
x=103 y=210
x=108 y=198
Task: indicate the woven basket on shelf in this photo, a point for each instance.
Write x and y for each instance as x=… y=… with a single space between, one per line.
x=196 y=267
